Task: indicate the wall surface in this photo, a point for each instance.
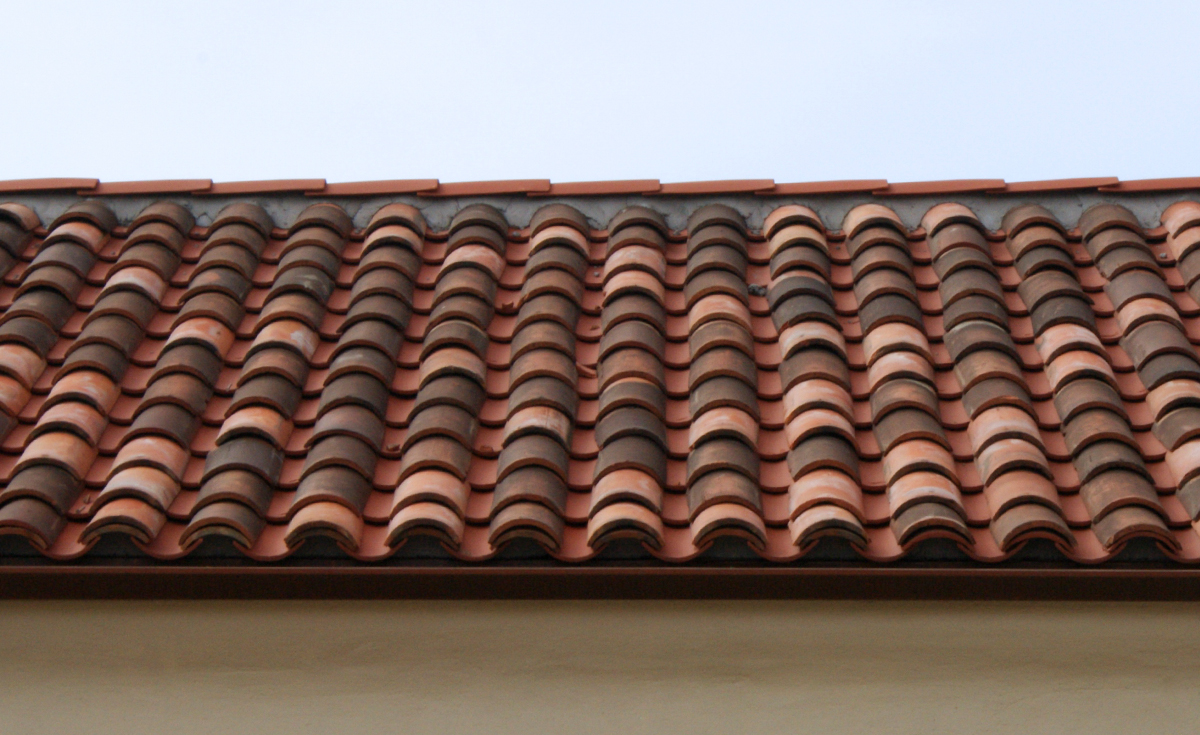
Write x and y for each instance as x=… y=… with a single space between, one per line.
x=588 y=667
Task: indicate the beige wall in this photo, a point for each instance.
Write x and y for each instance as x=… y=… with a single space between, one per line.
x=585 y=667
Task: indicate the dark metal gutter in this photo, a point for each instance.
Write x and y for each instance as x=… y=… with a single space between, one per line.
x=597 y=582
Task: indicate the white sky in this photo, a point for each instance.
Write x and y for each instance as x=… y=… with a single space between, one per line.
x=575 y=92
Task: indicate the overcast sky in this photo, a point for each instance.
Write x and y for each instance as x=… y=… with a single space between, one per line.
x=575 y=92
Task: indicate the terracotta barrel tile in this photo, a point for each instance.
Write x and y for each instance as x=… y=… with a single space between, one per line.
x=626 y=485
x=33 y=519
x=728 y=422
x=398 y=213
x=426 y=518
x=1019 y=486
x=818 y=393
x=293 y=335
x=788 y=215
x=152 y=486
x=1135 y=284
x=325 y=519
x=1105 y=243
x=716 y=215
x=244 y=213
x=1144 y=310
x=431 y=486
x=242 y=486
x=899 y=365
x=1184 y=461
x=13 y=395
x=334 y=485
x=61 y=449
x=526 y=520
x=444 y=420
x=823 y=521
x=916 y=455
x=894 y=337
x=433 y=452
x=530 y=484
x=638 y=215
x=1027 y=215
x=900 y=393
x=1100 y=217
x=817 y=421
x=1114 y=489
x=244 y=453
x=865 y=215
x=728 y=519
x=48 y=483
x=1173 y=394
x=1128 y=522
x=1009 y=454
x=825 y=486
x=76 y=417
x=1083 y=394
x=928 y=520
x=1076 y=364
x=351 y=420
x=21 y=363
x=1158 y=370
x=262 y=421
x=923 y=487
x=1056 y=340
x=1104 y=456
x=539 y=419
x=1181 y=216
x=1093 y=425
x=126 y=515
x=823 y=451
x=948 y=213
x=1027 y=521
x=620 y=520
x=533 y=450
x=1002 y=422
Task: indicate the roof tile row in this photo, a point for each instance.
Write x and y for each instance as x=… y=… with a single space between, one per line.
x=568 y=390
x=547 y=188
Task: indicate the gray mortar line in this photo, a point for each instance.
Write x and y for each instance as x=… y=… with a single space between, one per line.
x=284 y=208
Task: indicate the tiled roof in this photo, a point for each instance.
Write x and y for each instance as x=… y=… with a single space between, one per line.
x=570 y=390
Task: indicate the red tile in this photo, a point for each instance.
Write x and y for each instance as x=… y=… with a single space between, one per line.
x=941 y=187
x=231 y=188
x=23 y=185
x=487 y=188
x=376 y=188
x=850 y=186
x=1029 y=187
x=115 y=188
x=718 y=187
x=587 y=392
x=601 y=188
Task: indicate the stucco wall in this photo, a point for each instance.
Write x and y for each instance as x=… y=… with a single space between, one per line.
x=585 y=667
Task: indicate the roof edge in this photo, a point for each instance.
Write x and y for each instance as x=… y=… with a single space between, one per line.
x=546 y=187
x=615 y=582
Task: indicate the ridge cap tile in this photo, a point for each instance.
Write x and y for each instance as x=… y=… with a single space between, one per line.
x=484 y=188
x=224 y=188
x=720 y=186
x=946 y=186
x=375 y=188
x=847 y=186
x=152 y=186
x=51 y=184
x=600 y=188
x=1040 y=185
